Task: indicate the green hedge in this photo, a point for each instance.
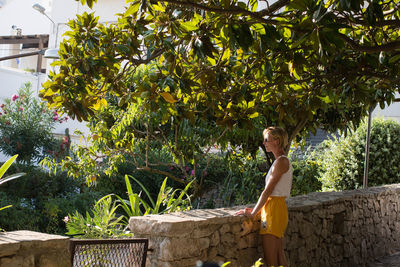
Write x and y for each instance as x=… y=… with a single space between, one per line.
x=343 y=160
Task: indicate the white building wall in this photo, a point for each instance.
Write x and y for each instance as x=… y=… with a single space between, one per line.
x=64 y=10
x=21 y=14
x=392 y=111
x=12 y=79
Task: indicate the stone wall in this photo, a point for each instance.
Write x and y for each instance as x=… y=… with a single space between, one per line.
x=349 y=228
x=32 y=249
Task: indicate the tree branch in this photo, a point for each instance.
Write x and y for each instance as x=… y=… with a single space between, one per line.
x=300 y=125
x=236 y=11
x=370 y=49
x=274 y=7
x=147 y=60
x=151 y=170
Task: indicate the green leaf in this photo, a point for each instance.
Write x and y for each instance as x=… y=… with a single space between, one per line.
x=7 y=165
x=326 y=99
x=144 y=189
x=268 y=70
x=160 y=197
x=133 y=9
x=123 y=48
x=253 y=5
x=189 y=26
x=254 y=115
x=394 y=59
x=183 y=193
x=6 y=207
x=11 y=177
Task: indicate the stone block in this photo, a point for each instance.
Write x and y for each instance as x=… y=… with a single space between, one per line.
x=224 y=229
x=236 y=228
x=14 y=261
x=179 y=248
x=212 y=253
x=8 y=247
x=242 y=243
x=247 y=257
x=204 y=230
x=306 y=229
x=227 y=251
x=227 y=238
x=29 y=261
x=302 y=254
x=215 y=239
x=51 y=260
x=246 y=227
x=252 y=239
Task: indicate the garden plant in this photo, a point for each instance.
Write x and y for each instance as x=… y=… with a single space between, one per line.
x=26 y=128
x=343 y=158
x=103 y=220
x=3 y=180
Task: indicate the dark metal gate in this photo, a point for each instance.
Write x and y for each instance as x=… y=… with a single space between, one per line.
x=129 y=252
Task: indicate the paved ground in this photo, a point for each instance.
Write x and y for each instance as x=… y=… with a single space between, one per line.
x=388 y=261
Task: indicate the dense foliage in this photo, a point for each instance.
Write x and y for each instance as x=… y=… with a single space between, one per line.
x=145 y=138
x=104 y=220
x=40 y=201
x=3 y=180
x=26 y=126
x=300 y=64
x=182 y=76
x=307 y=169
x=343 y=160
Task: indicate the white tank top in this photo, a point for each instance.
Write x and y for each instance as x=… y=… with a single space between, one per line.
x=284 y=185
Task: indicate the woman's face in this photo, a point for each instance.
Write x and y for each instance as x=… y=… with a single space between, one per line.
x=269 y=142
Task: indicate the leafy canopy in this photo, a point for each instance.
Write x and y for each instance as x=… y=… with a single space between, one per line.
x=300 y=64
x=228 y=67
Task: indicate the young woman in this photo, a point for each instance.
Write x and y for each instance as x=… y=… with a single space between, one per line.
x=271 y=203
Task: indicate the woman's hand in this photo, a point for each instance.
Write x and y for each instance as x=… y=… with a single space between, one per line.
x=246 y=212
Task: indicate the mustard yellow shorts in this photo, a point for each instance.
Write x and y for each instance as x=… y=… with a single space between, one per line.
x=274 y=217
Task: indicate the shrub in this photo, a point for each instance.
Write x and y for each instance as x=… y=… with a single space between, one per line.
x=242 y=180
x=343 y=160
x=306 y=172
x=115 y=183
x=214 y=172
x=40 y=201
x=26 y=126
x=103 y=220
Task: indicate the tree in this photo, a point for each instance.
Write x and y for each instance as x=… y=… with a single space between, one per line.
x=26 y=126
x=302 y=64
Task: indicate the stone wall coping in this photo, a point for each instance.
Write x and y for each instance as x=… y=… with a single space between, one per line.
x=180 y=222
x=25 y=235
x=12 y=242
x=314 y=199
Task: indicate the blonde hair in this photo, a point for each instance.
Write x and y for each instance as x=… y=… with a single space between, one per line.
x=278 y=133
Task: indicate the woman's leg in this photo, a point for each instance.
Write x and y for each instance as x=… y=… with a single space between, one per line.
x=271 y=246
x=281 y=255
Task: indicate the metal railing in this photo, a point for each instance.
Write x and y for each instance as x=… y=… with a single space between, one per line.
x=127 y=252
